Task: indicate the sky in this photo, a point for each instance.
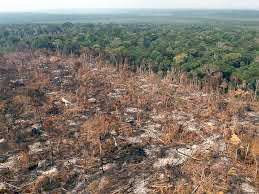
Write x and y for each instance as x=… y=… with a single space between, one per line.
x=41 y=5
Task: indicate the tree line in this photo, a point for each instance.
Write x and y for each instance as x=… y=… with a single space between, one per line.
x=194 y=48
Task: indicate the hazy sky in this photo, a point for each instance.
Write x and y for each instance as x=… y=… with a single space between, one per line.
x=34 y=5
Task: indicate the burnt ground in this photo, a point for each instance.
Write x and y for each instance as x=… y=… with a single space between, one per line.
x=69 y=125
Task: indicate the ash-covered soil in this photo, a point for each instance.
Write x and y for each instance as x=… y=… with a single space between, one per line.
x=71 y=125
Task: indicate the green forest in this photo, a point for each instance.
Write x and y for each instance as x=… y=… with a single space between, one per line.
x=222 y=44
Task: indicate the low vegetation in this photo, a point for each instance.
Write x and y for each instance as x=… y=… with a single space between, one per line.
x=70 y=124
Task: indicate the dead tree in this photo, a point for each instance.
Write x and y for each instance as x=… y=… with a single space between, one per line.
x=256 y=88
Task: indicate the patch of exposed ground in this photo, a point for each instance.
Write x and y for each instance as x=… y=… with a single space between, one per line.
x=70 y=126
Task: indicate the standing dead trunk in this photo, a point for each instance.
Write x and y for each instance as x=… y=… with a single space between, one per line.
x=256 y=88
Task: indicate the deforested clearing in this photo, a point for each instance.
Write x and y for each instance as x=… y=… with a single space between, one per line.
x=72 y=126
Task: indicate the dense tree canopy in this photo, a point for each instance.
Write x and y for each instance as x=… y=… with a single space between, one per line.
x=226 y=48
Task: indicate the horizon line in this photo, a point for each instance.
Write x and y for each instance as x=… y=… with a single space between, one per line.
x=144 y=8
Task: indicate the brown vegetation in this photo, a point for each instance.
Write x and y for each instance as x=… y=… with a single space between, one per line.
x=77 y=127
